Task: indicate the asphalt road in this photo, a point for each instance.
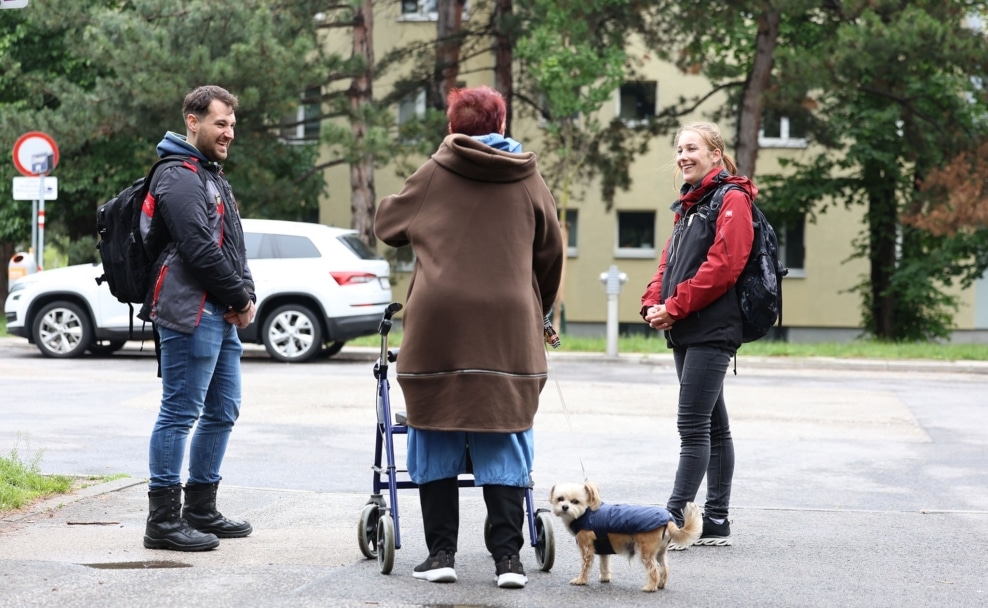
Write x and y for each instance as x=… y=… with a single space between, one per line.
x=856 y=484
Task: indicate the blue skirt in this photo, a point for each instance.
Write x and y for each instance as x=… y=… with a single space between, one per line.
x=502 y=459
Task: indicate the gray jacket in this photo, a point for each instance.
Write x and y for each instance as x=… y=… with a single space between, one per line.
x=191 y=226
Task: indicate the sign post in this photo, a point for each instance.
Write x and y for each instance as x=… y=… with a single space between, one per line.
x=39 y=164
x=35 y=154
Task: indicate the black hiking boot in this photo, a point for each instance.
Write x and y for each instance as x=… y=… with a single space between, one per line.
x=165 y=527
x=200 y=511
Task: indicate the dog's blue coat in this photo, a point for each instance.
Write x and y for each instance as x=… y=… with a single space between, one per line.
x=621 y=519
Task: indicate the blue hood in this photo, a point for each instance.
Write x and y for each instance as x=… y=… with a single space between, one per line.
x=173 y=143
x=499 y=142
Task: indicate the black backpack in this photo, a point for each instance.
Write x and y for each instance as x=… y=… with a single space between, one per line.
x=127 y=266
x=759 y=287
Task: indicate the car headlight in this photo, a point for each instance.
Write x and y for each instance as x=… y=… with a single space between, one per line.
x=17 y=286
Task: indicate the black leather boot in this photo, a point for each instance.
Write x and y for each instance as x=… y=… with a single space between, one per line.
x=200 y=511
x=165 y=527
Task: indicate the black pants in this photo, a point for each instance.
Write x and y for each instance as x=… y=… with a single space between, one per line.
x=441 y=517
x=706 y=446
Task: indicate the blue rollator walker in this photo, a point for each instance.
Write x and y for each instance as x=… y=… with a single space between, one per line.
x=379 y=532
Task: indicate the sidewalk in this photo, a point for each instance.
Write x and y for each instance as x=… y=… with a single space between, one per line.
x=85 y=549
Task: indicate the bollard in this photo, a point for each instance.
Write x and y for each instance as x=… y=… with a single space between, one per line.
x=612 y=280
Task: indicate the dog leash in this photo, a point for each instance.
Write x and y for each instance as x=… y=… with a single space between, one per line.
x=552 y=339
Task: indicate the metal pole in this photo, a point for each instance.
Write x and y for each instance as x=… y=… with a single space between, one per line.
x=34 y=227
x=40 y=259
x=612 y=325
x=612 y=280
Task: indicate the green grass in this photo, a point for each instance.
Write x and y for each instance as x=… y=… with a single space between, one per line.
x=3 y=326
x=857 y=349
x=22 y=483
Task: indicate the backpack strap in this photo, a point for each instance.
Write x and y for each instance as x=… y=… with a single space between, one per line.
x=173 y=160
x=720 y=192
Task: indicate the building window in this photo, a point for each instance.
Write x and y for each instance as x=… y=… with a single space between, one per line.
x=411 y=107
x=303 y=126
x=635 y=234
x=782 y=131
x=572 y=227
x=423 y=10
x=418 y=9
x=792 y=249
x=637 y=101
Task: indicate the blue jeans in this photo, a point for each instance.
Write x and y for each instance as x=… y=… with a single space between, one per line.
x=706 y=446
x=200 y=381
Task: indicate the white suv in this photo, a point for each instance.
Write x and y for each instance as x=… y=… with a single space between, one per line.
x=316 y=285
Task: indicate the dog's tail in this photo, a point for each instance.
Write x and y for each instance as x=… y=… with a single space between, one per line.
x=692 y=528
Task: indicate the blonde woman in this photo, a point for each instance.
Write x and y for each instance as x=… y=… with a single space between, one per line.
x=692 y=300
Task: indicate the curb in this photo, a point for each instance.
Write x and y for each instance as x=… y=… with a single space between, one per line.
x=57 y=502
x=368 y=353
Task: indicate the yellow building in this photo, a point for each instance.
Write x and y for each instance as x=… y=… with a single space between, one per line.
x=631 y=235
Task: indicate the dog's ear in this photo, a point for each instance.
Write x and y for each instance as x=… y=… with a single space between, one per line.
x=593 y=495
x=552 y=493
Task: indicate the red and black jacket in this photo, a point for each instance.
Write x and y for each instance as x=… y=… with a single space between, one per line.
x=702 y=261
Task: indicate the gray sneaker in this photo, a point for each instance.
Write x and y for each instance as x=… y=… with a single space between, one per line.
x=436 y=568
x=510 y=573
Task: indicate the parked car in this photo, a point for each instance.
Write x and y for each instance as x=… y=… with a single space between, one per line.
x=317 y=287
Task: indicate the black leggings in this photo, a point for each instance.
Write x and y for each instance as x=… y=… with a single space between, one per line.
x=706 y=447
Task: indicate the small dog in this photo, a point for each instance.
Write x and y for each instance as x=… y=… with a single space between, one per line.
x=604 y=529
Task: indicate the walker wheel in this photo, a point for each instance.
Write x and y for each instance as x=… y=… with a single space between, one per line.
x=386 y=543
x=367 y=530
x=545 y=542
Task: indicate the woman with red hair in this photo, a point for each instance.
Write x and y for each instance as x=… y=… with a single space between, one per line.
x=488 y=260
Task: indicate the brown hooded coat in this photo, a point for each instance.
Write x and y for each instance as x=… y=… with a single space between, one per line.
x=489 y=254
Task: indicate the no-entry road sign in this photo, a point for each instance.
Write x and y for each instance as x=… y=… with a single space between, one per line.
x=31 y=147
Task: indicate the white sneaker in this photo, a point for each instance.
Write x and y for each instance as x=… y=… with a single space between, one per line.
x=510 y=573
x=436 y=568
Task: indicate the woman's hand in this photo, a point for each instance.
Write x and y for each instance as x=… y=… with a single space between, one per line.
x=659 y=318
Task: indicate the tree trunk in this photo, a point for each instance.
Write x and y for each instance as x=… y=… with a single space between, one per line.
x=752 y=105
x=449 y=40
x=362 y=196
x=6 y=252
x=883 y=222
x=562 y=204
x=504 y=54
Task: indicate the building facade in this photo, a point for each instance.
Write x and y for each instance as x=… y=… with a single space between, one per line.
x=817 y=302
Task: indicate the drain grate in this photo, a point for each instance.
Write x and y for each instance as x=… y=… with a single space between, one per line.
x=146 y=565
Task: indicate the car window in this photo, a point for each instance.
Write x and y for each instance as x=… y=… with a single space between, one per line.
x=267 y=246
x=354 y=244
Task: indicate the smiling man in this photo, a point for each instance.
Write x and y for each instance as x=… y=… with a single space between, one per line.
x=203 y=291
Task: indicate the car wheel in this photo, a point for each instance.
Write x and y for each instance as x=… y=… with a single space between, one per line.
x=62 y=330
x=292 y=333
x=102 y=348
x=334 y=348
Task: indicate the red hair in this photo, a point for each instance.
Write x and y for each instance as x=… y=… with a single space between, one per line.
x=476 y=111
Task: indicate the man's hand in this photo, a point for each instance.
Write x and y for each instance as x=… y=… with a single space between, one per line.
x=241 y=318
